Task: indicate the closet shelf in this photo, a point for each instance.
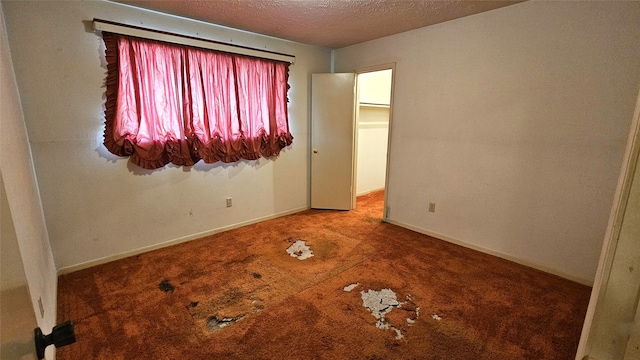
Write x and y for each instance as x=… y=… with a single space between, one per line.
x=371 y=105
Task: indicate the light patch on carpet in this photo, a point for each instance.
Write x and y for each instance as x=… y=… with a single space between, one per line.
x=380 y=303
x=300 y=250
x=213 y=323
x=348 y=288
x=257 y=304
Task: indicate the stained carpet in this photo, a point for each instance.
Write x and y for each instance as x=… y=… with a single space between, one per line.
x=371 y=290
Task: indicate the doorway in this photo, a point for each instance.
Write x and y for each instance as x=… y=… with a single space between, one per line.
x=349 y=111
x=373 y=113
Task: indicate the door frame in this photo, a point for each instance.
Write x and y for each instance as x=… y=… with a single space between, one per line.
x=374 y=68
x=609 y=246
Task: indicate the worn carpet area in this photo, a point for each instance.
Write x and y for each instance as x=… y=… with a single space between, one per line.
x=371 y=290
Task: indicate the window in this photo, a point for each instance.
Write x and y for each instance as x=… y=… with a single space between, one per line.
x=170 y=103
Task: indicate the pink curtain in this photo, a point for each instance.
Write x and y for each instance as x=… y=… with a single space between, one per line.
x=175 y=104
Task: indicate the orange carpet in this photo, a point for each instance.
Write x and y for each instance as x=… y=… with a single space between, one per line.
x=371 y=290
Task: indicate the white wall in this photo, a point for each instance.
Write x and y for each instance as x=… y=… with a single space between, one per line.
x=28 y=270
x=373 y=134
x=514 y=122
x=375 y=87
x=98 y=206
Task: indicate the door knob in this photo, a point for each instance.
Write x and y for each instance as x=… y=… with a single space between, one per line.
x=315 y=151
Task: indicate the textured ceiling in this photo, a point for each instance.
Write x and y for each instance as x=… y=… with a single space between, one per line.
x=330 y=23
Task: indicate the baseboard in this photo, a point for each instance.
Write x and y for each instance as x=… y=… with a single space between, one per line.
x=520 y=261
x=91 y=263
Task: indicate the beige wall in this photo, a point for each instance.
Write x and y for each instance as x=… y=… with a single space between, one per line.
x=514 y=123
x=98 y=206
x=28 y=271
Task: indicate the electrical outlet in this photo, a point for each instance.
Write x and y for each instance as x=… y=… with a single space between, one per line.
x=432 y=207
x=229 y=202
x=41 y=307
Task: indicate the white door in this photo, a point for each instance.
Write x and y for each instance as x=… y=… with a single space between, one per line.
x=332 y=140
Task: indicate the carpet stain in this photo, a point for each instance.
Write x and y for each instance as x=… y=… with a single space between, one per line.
x=231 y=297
x=325 y=249
x=192 y=304
x=166 y=286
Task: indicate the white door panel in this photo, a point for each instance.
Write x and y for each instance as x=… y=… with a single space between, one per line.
x=332 y=140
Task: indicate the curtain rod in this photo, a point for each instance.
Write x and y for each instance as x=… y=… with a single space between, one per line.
x=152 y=34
